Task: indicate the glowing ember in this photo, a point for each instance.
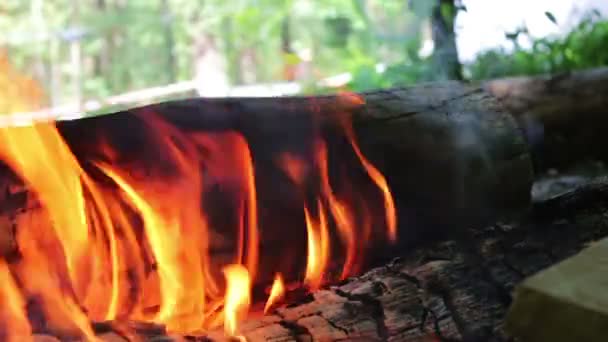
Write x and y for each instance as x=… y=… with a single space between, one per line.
x=117 y=239
x=277 y=291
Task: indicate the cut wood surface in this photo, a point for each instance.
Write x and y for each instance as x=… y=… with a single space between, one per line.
x=458 y=290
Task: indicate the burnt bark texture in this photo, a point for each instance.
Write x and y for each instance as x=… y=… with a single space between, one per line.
x=455 y=290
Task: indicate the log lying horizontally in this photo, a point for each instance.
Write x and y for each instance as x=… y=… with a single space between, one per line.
x=457 y=290
x=451 y=153
x=452 y=156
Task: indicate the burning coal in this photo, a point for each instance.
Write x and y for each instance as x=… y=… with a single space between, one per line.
x=117 y=240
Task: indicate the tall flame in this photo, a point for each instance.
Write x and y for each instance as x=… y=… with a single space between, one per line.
x=116 y=239
x=238 y=297
x=318 y=248
x=276 y=292
x=356 y=100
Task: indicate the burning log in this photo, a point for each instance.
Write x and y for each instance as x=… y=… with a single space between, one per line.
x=451 y=154
x=139 y=214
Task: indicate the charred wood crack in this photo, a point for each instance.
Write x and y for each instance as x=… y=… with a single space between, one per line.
x=377 y=311
x=423 y=294
x=295 y=329
x=445 y=295
x=473 y=256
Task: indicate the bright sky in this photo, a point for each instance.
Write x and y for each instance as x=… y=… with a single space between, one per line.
x=484 y=24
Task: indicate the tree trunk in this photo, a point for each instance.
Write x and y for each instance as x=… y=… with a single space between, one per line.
x=457 y=290
x=445 y=54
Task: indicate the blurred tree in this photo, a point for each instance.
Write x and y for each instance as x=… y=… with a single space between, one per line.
x=133 y=44
x=445 y=54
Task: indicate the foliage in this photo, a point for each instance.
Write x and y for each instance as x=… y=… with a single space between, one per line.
x=133 y=44
x=583 y=47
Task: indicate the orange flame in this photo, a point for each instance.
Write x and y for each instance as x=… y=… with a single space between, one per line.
x=231 y=149
x=12 y=308
x=130 y=242
x=376 y=176
x=237 y=297
x=318 y=248
x=277 y=291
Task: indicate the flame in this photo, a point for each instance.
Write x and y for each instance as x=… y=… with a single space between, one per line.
x=116 y=238
x=12 y=308
x=17 y=92
x=277 y=291
x=318 y=248
x=231 y=149
x=340 y=211
x=345 y=122
x=237 y=299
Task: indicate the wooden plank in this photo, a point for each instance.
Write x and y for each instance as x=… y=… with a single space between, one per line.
x=566 y=302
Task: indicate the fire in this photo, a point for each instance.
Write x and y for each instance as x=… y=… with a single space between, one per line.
x=318 y=248
x=277 y=291
x=389 y=204
x=122 y=239
x=12 y=305
x=238 y=298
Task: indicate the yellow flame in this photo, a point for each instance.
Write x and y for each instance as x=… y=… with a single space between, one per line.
x=318 y=248
x=276 y=292
x=237 y=299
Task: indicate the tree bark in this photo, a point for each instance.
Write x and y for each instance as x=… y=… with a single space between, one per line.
x=445 y=54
